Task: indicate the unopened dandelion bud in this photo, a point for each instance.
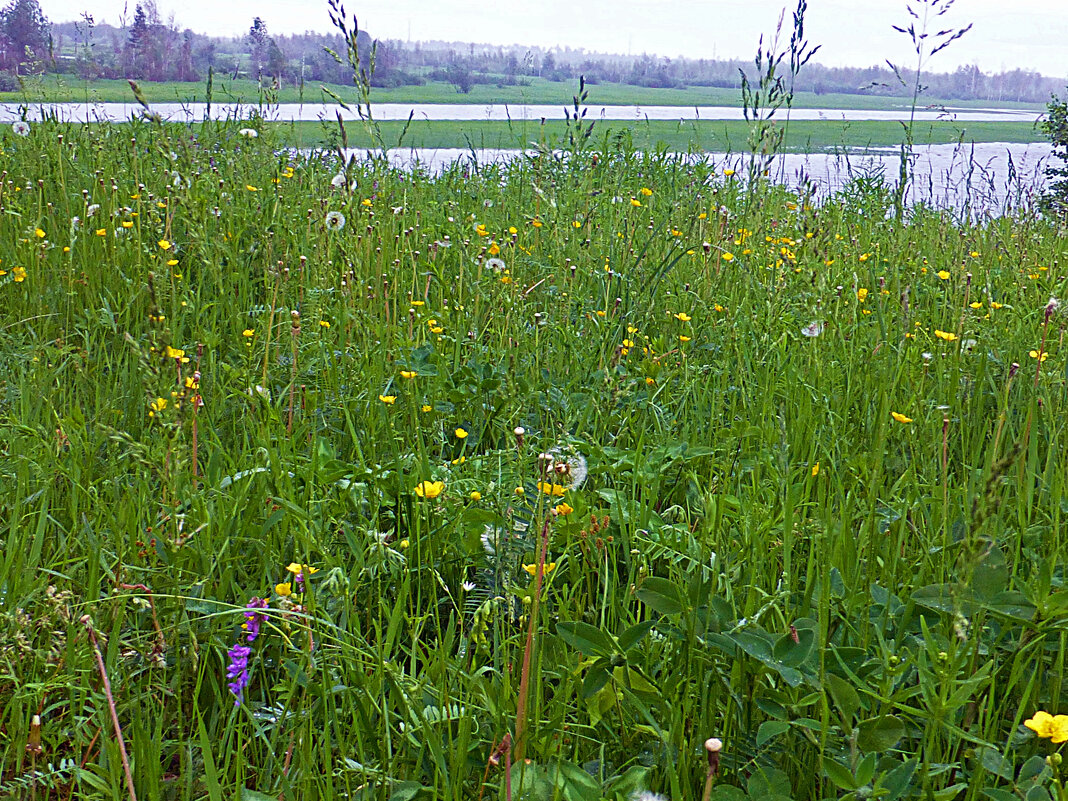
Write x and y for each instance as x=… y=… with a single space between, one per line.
x=1013 y=368
x=519 y=432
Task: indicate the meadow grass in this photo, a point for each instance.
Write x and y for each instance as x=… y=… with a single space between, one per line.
x=68 y=88
x=547 y=472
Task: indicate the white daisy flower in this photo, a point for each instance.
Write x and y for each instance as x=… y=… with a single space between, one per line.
x=334 y=221
x=21 y=128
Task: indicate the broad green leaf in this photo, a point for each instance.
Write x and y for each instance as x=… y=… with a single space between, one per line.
x=588 y=639
x=770 y=729
x=880 y=734
x=634 y=635
x=839 y=774
x=844 y=696
x=661 y=596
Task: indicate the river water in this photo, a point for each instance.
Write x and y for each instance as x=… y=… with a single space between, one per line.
x=980 y=178
x=983 y=177
x=286 y=112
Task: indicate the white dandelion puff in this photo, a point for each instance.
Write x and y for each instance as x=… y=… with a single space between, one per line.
x=491 y=539
x=813 y=329
x=497 y=265
x=21 y=128
x=92 y=210
x=338 y=180
x=646 y=795
x=334 y=221
x=75 y=224
x=570 y=467
x=249 y=133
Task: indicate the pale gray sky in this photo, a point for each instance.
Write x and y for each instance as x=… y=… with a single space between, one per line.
x=1026 y=33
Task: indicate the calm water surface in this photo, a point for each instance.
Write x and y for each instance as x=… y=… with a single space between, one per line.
x=194 y=112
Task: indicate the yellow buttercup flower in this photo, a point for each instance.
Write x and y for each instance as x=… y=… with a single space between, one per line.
x=476 y=496
x=1045 y=725
x=532 y=569
x=285 y=589
x=563 y=508
x=304 y=570
x=900 y=417
x=460 y=433
x=683 y=317
x=946 y=336
x=554 y=490
x=815 y=469
x=389 y=400
x=164 y=244
x=407 y=373
x=429 y=489
x=943 y=274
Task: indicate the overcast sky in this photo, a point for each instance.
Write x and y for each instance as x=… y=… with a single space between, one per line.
x=1025 y=33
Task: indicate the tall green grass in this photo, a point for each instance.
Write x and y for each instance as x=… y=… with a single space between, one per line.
x=762 y=551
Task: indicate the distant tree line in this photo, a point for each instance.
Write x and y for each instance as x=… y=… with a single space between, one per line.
x=147 y=47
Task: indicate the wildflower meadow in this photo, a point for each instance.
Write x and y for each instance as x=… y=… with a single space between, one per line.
x=592 y=474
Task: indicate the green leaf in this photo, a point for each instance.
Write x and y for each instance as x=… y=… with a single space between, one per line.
x=724 y=792
x=256 y=795
x=793 y=654
x=880 y=734
x=596 y=678
x=588 y=639
x=770 y=729
x=993 y=762
x=866 y=770
x=997 y=794
x=767 y=782
x=844 y=696
x=839 y=774
x=898 y=780
x=634 y=635
x=211 y=775
x=574 y=783
x=1038 y=793
x=661 y=596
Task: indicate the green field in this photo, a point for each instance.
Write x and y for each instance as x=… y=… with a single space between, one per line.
x=804 y=136
x=53 y=88
x=565 y=479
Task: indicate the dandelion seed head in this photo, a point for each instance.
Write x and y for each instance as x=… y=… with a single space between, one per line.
x=334 y=221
